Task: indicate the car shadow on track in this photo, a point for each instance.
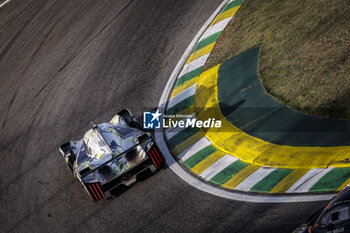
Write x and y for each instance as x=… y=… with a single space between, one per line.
x=121 y=189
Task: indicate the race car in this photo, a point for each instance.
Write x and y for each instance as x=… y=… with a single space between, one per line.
x=112 y=154
x=334 y=218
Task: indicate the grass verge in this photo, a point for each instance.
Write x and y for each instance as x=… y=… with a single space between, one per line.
x=304 y=59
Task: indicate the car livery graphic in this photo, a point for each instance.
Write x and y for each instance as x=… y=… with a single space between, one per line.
x=112 y=154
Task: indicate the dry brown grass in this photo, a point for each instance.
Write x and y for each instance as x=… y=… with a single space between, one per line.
x=304 y=59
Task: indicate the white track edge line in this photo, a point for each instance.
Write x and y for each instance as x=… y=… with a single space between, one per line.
x=2 y=4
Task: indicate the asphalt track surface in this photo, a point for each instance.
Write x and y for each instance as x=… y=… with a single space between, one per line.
x=65 y=63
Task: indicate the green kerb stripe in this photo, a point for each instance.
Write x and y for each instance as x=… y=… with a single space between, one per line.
x=182 y=136
x=199 y=156
x=228 y=172
x=207 y=41
x=271 y=180
x=332 y=180
x=180 y=106
x=232 y=5
x=188 y=76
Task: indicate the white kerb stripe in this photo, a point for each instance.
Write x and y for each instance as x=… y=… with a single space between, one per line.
x=171 y=132
x=182 y=95
x=305 y=183
x=254 y=178
x=194 y=64
x=218 y=166
x=218 y=27
x=191 y=150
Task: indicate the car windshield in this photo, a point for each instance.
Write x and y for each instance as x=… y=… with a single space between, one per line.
x=110 y=135
x=95 y=145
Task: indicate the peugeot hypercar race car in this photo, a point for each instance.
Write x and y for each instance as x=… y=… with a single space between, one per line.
x=111 y=154
x=333 y=218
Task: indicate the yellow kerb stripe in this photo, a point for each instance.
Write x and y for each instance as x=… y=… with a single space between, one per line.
x=207 y=162
x=289 y=180
x=253 y=150
x=225 y=15
x=185 y=144
x=240 y=176
x=183 y=87
x=344 y=185
x=205 y=50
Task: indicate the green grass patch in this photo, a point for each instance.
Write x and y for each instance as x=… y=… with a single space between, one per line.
x=305 y=56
